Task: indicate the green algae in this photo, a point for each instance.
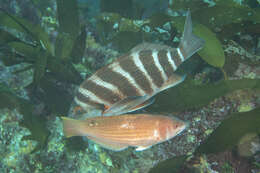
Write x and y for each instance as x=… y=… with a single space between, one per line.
x=189 y=95
x=159 y=19
x=79 y=46
x=42 y=60
x=124 y=8
x=39 y=66
x=40 y=53
x=230 y=131
x=68 y=40
x=63 y=46
x=129 y=30
x=56 y=98
x=59 y=64
x=24 y=26
x=225 y=137
x=224 y=14
x=68 y=17
x=170 y=165
x=75 y=144
x=124 y=24
x=28 y=51
x=206 y=20
x=133 y=38
x=35 y=123
x=212 y=52
x=6 y=37
x=221 y=13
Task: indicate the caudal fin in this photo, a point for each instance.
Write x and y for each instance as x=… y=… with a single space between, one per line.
x=72 y=127
x=190 y=43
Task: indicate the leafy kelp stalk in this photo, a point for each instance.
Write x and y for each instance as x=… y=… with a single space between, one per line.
x=231 y=130
x=190 y=89
x=31 y=45
x=39 y=51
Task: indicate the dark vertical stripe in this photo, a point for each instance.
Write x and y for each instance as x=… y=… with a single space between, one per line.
x=128 y=65
x=163 y=59
x=148 y=63
x=88 y=101
x=101 y=92
x=175 y=57
x=106 y=74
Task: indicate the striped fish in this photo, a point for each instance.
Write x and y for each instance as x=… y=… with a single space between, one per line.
x=129 y=83
x=119 y=132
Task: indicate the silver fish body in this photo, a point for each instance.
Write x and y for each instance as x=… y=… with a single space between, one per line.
x=128 y=83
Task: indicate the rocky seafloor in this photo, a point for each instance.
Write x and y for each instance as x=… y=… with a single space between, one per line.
x=16 y=153
x=79 y=155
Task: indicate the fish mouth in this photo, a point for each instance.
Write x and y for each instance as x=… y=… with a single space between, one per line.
x=182 y=128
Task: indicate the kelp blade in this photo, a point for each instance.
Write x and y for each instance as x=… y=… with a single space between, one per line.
x=230 y=131
x=169 y=166
x=189 y=95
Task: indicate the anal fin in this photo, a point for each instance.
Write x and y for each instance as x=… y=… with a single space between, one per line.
x=108 y=145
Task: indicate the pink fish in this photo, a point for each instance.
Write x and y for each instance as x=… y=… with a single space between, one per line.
x=120 y=132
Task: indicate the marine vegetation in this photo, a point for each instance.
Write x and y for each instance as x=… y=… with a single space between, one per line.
x=48 y=48
x=25 y=42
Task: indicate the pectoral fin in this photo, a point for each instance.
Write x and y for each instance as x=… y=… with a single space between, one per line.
x=108 y=145
x=144 y=104
x=128 y=104
x=172 y=81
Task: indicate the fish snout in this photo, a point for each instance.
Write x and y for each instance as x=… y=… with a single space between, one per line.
x=173 y=128
x=178 y=127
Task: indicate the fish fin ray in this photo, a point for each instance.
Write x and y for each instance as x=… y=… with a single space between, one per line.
x=141 y=148
x=190 y=43
x=71 y=127
x=144 y=104
x=126 y=105
x=172 y=81
x=108 y=145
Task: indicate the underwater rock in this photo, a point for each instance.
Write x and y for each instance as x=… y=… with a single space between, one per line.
x=13 y=148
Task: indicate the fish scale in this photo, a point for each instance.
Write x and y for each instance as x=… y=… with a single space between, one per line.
x=129 y=65
x=147 y=130
x=163 y=60
x=126 y=85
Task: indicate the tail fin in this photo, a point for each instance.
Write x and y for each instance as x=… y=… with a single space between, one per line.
x=190 y=43
x=72 y=127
